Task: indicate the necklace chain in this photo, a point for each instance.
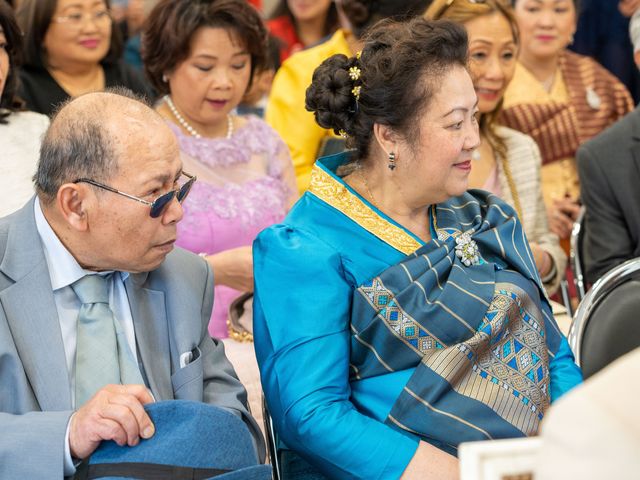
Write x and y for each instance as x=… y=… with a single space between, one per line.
x=192 y=131
x=366 y=186
x=548 y=83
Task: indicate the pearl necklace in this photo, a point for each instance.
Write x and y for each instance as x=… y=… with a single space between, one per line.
x=192 y=131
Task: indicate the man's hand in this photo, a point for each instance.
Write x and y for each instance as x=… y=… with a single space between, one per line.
x=562 y=214
x=114 y=413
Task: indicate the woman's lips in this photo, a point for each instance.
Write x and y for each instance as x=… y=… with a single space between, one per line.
x=546 y=38
x=218 y=104
x=466 y=165
x=490 y=95
x=91 y=43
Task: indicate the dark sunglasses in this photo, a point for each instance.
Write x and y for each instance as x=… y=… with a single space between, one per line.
x=159 y=204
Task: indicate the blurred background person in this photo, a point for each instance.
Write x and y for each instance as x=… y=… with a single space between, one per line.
x=285 y=110
x=609 y=168
x=507 y=163
x=71 y=48
x=255 y=100
x=561 y=99
x=298 y=24
x=137 y=12
x=202 y=56
x=602 y=35
x=20 y=131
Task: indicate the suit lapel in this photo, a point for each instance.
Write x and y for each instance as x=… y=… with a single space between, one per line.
x=31 y=314
x=152 y=334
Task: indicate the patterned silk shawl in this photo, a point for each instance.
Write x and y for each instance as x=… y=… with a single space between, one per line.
x=479 y=337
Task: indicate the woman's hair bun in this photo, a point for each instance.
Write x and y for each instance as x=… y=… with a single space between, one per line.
x=330 y=95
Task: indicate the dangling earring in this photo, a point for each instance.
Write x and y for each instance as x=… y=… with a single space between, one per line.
x=164 y=78
x=392 y=161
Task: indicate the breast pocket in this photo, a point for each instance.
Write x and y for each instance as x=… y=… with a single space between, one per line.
x=187 y=382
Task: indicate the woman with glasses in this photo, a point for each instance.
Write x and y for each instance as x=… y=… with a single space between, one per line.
x=71 y=48
x=397 y=315
x=561 y=99
x=20 y=131
x=507 y=163
x=201 y=56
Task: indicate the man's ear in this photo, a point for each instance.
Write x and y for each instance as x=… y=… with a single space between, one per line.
x=73 y=203
x=387 y=139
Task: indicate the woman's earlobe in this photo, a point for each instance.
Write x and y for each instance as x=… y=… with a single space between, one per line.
x=387 y=140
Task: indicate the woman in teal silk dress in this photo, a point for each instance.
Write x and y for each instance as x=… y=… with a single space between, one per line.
x=397 y=315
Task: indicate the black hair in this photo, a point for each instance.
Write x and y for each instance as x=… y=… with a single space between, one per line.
x=9 y=101
x=166 y=39
x=364 y=13
x=391 y=83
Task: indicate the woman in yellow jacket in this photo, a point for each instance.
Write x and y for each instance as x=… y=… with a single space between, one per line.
x=285 y=110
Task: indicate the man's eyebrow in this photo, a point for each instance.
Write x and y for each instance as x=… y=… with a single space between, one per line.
x=162 y=178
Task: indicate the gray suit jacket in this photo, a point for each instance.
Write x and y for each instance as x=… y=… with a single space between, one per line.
x=609 y=168
x=170 y=306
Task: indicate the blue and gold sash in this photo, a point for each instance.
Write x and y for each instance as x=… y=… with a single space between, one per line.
x=468 y=312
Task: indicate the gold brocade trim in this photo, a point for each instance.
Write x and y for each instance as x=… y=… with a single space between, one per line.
x=332 y=192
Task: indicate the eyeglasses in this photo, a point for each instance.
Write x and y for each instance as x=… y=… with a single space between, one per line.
x=76 y=20
x=159 y=204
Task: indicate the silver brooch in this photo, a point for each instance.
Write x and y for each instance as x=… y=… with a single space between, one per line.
x=593 y=99
x=467 y=250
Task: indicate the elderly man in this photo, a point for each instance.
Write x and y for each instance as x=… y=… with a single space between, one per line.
x=99 y=314
x=609 y=169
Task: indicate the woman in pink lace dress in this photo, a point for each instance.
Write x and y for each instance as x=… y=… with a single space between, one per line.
x=201 y=56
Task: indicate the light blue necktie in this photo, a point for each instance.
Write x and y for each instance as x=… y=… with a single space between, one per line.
x=102 y=354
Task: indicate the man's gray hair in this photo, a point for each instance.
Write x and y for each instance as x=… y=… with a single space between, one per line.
x=634 y=30
x=79 y=144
